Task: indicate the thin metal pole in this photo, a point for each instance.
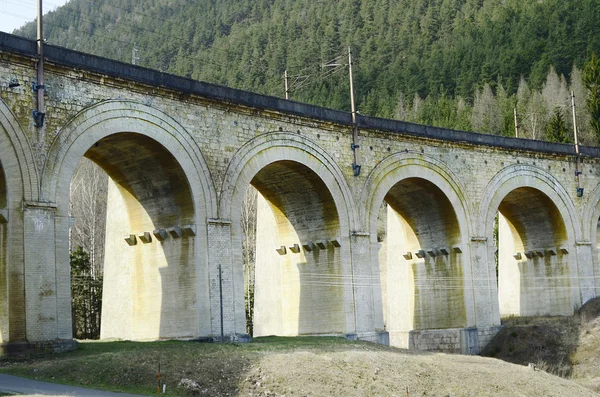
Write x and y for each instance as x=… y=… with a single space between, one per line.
x=355 y=146
x=221 y=302
x=575 y=123
x=352 y=107
x=516 y=124
x=578 y=171
x=287 y=89
x=40 y=64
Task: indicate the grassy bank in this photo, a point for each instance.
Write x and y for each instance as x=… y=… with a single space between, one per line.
x=305 y=366
x=132 y=367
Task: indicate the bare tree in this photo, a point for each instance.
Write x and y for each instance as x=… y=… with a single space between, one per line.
x=536 y=115
x=486 y=115
x=249 y=250
x=87 y=207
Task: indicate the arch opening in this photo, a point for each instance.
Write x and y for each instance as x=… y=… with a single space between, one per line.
x=534 y=277
x=420 y=260
x=298 y=282
x=148 y=251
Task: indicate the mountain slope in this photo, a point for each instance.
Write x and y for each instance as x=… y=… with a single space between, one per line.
x=433 y=48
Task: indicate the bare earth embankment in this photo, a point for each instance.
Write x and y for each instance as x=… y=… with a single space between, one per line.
x=287 y=366
x=565 y=346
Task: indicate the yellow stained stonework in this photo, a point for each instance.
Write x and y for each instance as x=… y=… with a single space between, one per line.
x=404 y=251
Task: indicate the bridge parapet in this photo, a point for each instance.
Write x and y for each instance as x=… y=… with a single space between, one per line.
x=416 y=247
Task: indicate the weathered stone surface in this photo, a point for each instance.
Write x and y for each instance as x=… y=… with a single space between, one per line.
x=404 y=251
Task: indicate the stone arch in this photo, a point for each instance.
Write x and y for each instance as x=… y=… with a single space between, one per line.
x=520 y=175
x=591 y=214
x=520 y=271
x=412 y=275
x=405 y=165
x=114 y=116
x=176 y=254
x=311 y=165
x=19 y=182
x=591 y=223
x=276 y=146
x=17 y=158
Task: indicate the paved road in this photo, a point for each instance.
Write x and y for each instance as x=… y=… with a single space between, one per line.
x=10 y=383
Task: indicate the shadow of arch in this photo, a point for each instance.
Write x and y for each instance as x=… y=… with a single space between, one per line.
x=307 y=167
x=416 y=211
x=160 y=181
x=558 y=226
x=591 y=214
x=18 y=182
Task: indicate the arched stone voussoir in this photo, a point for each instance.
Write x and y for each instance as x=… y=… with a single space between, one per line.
x=282 y=146
x=401 y=166
x=17 y=159
x=590 y=216
x=519 y=176
x=115 y=116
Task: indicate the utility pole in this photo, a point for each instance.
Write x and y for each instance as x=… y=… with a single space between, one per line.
x=578 y=171
x=221 y=301
x=287 y=88
x=516 y=124
x=355 y=145
x=38 y=86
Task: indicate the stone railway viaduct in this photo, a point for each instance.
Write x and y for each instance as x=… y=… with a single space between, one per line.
x=404 y=253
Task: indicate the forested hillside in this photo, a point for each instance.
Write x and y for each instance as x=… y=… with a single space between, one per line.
x=462 y=64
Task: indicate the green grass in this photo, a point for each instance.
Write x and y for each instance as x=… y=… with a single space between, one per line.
x=132 y=367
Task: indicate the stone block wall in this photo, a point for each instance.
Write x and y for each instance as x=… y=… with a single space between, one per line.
x=221 y=139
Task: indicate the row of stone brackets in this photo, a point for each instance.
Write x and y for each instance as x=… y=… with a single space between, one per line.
x=162 y=234
x=540 y=252
x=432 y=252
x=308 y=247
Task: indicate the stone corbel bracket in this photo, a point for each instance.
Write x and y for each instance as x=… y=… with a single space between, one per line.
x=145 y=237
x=308 y=247
x=189 y=230
x=3 y=216
x=322 y=244
x=160 y=234
x=518 y=256
x=420 y=254
x=175 y=232
x=131 y=240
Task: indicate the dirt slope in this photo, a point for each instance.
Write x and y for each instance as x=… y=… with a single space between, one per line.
x=565 y=346
x=287 y=367
x=389 y=373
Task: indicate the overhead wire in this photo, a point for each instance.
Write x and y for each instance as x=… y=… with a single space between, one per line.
x=162 y=35
x=300 y=80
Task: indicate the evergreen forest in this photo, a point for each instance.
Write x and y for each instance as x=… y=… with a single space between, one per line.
x=462 y=64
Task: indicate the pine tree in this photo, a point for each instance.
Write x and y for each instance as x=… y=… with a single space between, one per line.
x=556 y=131
x=591 y=79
